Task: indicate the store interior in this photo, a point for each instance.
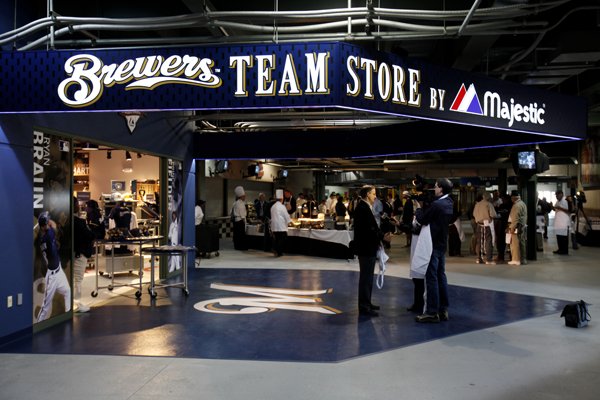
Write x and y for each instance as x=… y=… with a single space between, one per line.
x=108 y=175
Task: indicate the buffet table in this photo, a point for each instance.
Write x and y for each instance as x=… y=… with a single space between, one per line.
x=309 y=242
x=589 y=235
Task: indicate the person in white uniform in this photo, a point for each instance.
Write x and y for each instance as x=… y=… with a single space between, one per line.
x=238 y=214
x=55 y=280
x=280 y=219
x=561 y=223
x=199 y=214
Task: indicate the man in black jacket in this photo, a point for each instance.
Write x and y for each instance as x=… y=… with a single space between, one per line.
x=367 y=238
x=437 y=216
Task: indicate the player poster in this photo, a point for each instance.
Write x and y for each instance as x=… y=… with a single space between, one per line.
x=175 y=208
x=52 y=216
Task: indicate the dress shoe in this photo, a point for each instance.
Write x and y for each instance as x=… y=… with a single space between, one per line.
x=556 y=252
x=415 y=307
x=444 y=315
x=432 y=318
x=368 y=312
x=375 y=307
x=459 y=255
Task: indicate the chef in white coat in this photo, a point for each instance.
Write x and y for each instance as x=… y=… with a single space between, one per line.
x=561 y=223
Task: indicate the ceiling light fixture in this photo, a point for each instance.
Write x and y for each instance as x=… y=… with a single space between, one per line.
x=127 y=156
x=89 y=146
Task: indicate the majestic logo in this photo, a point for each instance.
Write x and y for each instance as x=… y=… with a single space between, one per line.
x=132 y=118
x=270 y=300
x=467 y=101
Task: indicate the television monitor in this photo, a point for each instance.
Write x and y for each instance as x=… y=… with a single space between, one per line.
x=526 y=159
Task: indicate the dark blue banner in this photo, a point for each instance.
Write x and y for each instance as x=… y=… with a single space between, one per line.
x=279 y=76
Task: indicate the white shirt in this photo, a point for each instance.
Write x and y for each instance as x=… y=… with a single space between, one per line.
x=199 y=215
x=497 y=202
x=173 y=233
x=562 y=222
x=332 y=208
x=328 y=203
x=322 y=208
x=279 y=218
x=238 y=210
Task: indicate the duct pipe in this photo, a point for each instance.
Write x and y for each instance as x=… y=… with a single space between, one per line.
x=468 y=18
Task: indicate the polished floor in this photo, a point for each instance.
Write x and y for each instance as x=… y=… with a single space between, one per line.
x=504 y=340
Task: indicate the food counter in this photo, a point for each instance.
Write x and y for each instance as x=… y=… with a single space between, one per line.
x=310 y=242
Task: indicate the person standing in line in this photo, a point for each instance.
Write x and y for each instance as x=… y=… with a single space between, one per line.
x=55 y=280
x=562 y=223
x=238 y=214
x=198 y=213
x=323 y=207
x=329 y=203
x=268 y=234
x=437 y=216
x=454 y=235
x=340 y=209
x=518 y=230
x=367 y=240
x=407 y=215
x=378 y=209
x=503 y=211
x=289 y=202
x=300 y=201
x=397 y=214
x=496 y=199
x=259 y=207
x=484 y=215
x=84 y=247
x=280 y=219
x=352 y=205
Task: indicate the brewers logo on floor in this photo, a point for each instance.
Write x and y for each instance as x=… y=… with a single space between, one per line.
x=271 y=299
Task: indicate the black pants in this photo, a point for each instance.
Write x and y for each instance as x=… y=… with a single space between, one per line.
x=563 y=244
x=365 y=282
x=419 y=302
x=239 y=236
x=454 y=244
x=279 y=242
x=484 y=238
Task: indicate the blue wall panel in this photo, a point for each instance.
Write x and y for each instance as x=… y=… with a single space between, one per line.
x=16 y=236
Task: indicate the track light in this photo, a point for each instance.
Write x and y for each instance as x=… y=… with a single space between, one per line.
x=108 y=155
x=127 y=156
x=139 y=155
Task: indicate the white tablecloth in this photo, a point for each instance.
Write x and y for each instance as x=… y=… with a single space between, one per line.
x=333 y=236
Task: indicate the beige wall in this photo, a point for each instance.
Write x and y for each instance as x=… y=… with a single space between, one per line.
x=102 y=171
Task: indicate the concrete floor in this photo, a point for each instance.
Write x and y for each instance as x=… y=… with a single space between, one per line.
x=536 y=358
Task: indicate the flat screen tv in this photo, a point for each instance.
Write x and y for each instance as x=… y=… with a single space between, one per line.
x=526 y=159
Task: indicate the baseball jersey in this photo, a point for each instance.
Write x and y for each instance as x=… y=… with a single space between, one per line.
x=48 y=245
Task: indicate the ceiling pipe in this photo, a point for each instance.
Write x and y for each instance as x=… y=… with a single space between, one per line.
x=468 y=18
x=208 y=19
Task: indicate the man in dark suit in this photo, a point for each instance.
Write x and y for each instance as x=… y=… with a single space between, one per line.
x=367 y=237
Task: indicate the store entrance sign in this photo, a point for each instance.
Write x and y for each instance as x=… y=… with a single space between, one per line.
x=277 y=76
